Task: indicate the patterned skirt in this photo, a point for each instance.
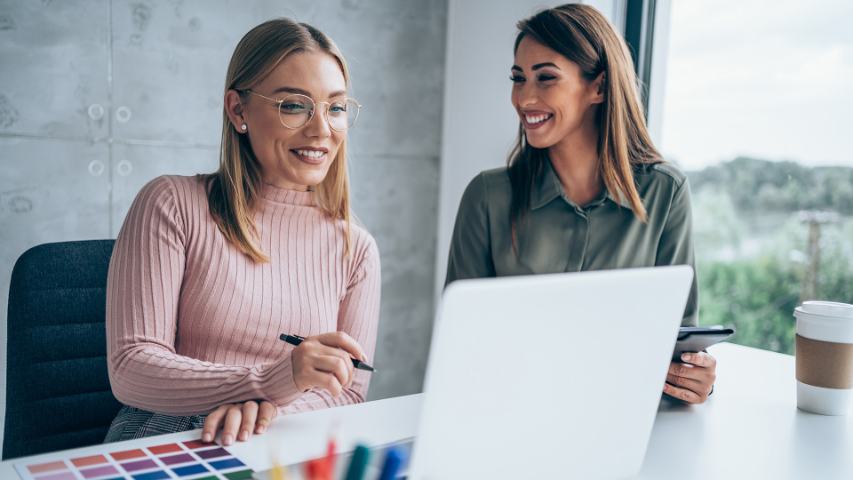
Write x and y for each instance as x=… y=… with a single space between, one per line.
x=131 y=423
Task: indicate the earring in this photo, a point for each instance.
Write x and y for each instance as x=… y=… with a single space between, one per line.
x=243 y=127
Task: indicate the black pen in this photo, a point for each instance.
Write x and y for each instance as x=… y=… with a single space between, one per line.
x=295 y=340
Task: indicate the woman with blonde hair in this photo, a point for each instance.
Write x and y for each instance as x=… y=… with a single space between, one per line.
x=584 y=188
x=209 y=270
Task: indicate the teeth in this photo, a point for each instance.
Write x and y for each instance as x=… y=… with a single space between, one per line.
x=311 y=153
x=534 y=119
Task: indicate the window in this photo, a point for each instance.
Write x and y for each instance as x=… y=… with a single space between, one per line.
x=756 y=109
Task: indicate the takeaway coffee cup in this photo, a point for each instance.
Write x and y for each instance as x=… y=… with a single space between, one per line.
x=824 y=357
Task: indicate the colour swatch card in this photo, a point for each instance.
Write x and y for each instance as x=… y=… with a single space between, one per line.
x=193 y=460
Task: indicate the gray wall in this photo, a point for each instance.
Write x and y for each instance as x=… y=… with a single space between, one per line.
x=97 y=97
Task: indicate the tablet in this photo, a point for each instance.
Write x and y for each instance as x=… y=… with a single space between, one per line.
x=697 y=339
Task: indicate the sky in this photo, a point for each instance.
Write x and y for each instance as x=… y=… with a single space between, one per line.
x=769 y=79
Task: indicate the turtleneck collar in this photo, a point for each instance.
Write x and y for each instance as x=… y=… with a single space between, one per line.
x=289 y=197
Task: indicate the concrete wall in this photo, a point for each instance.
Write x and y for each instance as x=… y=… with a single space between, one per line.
x=97 y=97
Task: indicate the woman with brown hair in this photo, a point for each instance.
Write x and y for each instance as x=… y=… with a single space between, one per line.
x=584 y=188
x=209 y=270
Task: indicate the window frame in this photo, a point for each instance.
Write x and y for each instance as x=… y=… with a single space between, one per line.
x=647 y=36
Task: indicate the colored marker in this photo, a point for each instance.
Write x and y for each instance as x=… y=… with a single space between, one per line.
x=278 y=472
x=330 y=456
x=316 y=470
x=295 y=340
x=358 y=463
x=393 y=462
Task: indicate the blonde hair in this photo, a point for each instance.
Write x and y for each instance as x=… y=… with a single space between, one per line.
x=583 y=35
x=233 y=190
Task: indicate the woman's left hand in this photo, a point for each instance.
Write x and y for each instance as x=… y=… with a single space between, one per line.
x=238 y=421
x=693 y=380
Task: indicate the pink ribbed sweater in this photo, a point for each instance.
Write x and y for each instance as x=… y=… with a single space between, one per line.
x=192 y=323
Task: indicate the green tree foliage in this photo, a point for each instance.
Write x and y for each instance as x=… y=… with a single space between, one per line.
x=752 y=245
x=756 y=296
x=761 y=185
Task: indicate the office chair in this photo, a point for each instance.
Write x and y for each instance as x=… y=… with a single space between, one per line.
x=58 y=394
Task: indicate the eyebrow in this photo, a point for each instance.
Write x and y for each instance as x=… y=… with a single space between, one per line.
x=546 y=64
x=305 y=92
x=536 y=67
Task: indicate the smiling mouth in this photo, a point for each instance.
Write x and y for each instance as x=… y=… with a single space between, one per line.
x=314 y=157
x=534 y=121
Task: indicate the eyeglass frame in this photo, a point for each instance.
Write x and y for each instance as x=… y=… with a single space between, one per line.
x=313 y=110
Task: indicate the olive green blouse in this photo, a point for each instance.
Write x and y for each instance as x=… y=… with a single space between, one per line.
x=557 y=235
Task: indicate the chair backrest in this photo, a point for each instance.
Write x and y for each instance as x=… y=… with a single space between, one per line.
x=57 y=390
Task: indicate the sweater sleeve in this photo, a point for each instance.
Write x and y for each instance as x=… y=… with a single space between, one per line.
x=359 y=318
x=143 y=290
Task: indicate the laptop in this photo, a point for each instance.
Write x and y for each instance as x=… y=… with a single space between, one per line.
x=548 y=376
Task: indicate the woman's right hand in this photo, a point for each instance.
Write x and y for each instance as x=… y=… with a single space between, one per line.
x=238 y=421
x=325 y=361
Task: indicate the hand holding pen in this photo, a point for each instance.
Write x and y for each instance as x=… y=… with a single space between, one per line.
x=325 y=361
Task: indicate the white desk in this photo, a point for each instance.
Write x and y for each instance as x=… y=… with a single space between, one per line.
x=750 y=428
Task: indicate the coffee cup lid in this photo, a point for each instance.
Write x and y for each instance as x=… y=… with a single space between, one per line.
x=828 y=309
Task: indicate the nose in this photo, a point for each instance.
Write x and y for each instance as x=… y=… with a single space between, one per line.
x=525 y=95
x=318 y=124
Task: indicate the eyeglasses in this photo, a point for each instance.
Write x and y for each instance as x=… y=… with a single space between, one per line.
x=295 y=110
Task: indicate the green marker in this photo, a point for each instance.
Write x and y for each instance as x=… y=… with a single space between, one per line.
x=358 y=463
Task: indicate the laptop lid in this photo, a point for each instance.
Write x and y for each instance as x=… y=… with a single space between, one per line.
x=548 y=376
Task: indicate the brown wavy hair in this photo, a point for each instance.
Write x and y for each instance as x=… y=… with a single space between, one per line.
x=584 y=36
x=234 y=188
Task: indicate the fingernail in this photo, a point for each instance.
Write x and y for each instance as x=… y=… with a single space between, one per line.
x=206 y=438
x=242 y=436
x=227 y=439
x=686 y=357
x=261 y=429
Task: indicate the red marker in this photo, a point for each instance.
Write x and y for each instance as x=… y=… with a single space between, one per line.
x=316 y=470
x=330 y=457
x=323 y=468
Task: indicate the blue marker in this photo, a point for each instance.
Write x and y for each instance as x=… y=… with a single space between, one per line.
x=393 y=462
